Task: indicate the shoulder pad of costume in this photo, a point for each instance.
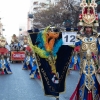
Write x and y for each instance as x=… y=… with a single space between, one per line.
x=78 y=36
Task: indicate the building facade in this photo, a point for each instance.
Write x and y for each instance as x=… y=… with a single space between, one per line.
x=36 y=6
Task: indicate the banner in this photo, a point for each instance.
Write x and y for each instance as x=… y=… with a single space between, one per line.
x=17 y=55
x=63 y=58
x=52 y=68
x=50 y=88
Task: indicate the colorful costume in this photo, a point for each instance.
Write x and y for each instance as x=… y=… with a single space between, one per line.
x=25 y=44
x=75 y=62
x=4 y=63
x=28 y=62
x=34 y=71
x=87 y=49
x=15 y=44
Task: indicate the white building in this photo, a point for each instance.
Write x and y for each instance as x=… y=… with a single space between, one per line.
x=1 y=27
x=22 y=30
x=35 y=6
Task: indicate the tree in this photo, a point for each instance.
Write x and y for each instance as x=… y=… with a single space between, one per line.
x=55 y=15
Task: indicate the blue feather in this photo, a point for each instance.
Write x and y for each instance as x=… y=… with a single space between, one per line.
x=57 y=46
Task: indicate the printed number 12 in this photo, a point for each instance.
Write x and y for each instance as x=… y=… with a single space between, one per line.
x=72 y=38
x=66 y=38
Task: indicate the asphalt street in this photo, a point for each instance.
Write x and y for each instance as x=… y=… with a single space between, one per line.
x=19 y=86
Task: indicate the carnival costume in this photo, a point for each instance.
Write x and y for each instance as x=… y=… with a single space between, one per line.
x=34 y=71
x=28 y=61
x=4 y=63
x=15 y=44
x=87 y=49
x=25 y=44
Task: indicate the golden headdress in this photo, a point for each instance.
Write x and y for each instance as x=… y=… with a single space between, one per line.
x=25 y=40
x=14 y=38
x=88 y=16
x=3 y=42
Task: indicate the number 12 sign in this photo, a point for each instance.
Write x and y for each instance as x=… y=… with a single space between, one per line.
x=69 y=38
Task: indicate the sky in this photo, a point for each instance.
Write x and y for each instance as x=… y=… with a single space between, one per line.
x=13 y=14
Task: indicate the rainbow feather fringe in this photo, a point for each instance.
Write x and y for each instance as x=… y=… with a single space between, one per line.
x=41 y=40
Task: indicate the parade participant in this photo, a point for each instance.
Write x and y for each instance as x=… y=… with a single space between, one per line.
x=74 y=65
x=34 y=71
x=25 y=44
x=87 y=48
x=28 y=62
x=4 y=63
x=15 y=44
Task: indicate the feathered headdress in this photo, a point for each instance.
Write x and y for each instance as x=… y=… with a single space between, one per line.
x=88 y=16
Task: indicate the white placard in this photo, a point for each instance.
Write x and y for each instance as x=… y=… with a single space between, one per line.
x=69 y=38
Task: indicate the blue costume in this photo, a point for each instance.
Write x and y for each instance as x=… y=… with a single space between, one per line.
x=75 y=63
x=34 y=71
x=88 y=84
x=4 y=66
x=28 y=62
x=88 y=45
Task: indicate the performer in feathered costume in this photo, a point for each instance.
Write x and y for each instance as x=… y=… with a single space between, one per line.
x=87 y=49
x=4 y=63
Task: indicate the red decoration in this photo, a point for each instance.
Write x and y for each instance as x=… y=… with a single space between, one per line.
x=38 y=76
x=75 y=67
x=28 y=48
x=2 y=73
x=3 y=51
x=75 y=95
x=77 y=49
x=80 y=16
x=96 y=17
x=89 y=96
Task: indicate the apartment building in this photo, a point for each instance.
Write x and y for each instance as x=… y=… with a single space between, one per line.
x=36 y=6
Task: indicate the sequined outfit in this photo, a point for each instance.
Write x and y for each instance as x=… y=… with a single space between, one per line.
x=88 y=86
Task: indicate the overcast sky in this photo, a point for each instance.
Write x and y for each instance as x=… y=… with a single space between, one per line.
x=13 y=14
